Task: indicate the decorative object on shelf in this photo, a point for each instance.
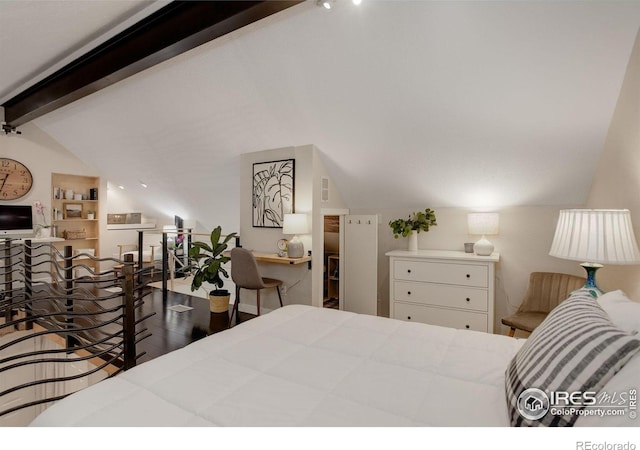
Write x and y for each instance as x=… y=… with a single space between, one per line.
x=282 y=247
x=483 y=224
x=75 y=234
x=43 y=229
x=207 y=261
x=68 y=194
x=595 y=237
x=91 y=215
x=468 y=247
x=93 y=194
x=419 y=221
x=273 y=192
x=295 y=224
x=15 y=179
x=73 y=210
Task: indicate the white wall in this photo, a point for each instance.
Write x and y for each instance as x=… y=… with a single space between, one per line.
x=43 y=155
x=617 y=180
x=297 y=279
x=523 y=243
x=335 y=202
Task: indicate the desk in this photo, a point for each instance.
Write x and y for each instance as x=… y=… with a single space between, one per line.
x=274 y=258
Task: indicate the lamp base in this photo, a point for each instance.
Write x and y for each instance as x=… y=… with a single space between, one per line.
x=483 y=247
x=591 y=284
x=295 y=249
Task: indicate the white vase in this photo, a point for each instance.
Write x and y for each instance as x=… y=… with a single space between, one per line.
x=44 y=232
x=413 y=242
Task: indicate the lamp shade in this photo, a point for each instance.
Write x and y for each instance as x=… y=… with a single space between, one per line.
x=603 y=236
x=295 y=224
x=483 y=223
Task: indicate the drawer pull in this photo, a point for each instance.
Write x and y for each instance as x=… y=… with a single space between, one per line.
x=467 y=327
x=408 y=270
x=408 y=292
x=468 y=276
x=408 y=317
x=468 y=299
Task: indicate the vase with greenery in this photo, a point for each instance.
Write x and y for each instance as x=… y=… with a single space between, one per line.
x=418 y=221
x=207 y=260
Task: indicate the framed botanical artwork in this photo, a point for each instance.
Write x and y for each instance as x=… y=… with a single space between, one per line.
x=273 y=192
x=73 y=210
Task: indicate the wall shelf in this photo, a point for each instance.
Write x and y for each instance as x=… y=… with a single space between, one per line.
x=87 y=186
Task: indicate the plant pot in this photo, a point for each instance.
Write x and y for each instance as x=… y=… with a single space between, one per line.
x=44 y=232
x=219 y=301
x=413 y=242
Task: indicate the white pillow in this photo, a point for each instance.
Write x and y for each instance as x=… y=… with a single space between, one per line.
x=622 y=311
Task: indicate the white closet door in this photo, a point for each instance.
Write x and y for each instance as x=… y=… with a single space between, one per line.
x=361 y=264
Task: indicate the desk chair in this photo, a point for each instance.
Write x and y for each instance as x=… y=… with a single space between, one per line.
x=545 y=291
x=245 y=275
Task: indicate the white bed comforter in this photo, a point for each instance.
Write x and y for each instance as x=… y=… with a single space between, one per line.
x=306 y=366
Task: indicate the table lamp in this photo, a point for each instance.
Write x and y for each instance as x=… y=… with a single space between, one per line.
x=295 y=224
x=483 y=224
x=596 y=237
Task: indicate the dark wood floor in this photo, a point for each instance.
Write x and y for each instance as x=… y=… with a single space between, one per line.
x=171 y=330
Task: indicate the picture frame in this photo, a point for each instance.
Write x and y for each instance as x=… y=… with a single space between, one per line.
x=273 y=192
x=73 y=210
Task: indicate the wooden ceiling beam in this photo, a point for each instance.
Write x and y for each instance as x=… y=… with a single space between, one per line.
x=173 y=29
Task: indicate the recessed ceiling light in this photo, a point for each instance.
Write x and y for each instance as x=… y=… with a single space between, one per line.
x=144 y=185
x=356 y=2
x=121 y=187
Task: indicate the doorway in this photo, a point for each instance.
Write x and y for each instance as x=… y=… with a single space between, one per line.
x=331 y=259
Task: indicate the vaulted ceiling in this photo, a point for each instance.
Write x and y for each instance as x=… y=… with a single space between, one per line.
x=411 y=103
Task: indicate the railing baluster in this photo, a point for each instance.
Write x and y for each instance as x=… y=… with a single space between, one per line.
x=129 y=322
x=68 y=289
x=165 y=265
x=28 y=287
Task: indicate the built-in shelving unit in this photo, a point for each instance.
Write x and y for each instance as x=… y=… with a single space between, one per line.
x=333 y=269
x=73 y=199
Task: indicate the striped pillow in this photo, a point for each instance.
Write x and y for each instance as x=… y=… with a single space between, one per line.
x=575 y=349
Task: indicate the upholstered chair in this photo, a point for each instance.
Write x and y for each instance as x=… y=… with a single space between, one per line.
x=545 y=291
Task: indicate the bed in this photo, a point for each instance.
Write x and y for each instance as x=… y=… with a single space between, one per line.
x=307 y=366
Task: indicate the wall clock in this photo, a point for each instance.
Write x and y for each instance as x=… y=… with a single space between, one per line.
x=15 y=179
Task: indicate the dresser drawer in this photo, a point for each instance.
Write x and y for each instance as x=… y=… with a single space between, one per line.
x=441 y=295
x=439 y=272
x=440 y=316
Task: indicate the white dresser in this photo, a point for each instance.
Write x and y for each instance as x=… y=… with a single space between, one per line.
x=442 y=287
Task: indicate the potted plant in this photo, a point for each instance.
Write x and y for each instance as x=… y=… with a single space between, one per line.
x=91 y=215
x=207 y=261
x=43 y=230
x=419 y=221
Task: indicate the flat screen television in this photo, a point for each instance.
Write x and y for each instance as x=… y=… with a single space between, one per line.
x=16 y=220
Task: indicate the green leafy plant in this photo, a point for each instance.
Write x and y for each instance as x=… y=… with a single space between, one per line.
x=208 y=259
x=419 y=221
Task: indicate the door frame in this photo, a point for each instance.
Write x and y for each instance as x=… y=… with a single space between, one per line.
x=341 y=212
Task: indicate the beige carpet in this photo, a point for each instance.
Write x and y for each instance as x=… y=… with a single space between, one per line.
x=182 y=286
